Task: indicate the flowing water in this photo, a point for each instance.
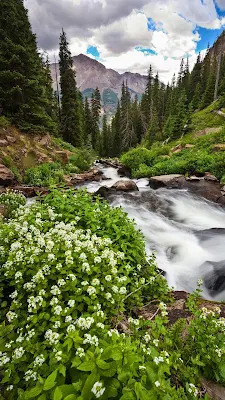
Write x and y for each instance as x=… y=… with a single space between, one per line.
x=186 y=233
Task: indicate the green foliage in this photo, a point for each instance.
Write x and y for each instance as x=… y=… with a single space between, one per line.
x=47 y=174
x=4 y=122
x=70 y=267
x=198 y=159
x=12 y=200
x=82 y=159
x=70 y=99
x=23 y=87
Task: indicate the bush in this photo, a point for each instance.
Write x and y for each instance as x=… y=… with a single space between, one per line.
x=82 y=159
x=135 y=157
x=12 y=200
x=48 y=174
x=70 y=267
x=4 y=122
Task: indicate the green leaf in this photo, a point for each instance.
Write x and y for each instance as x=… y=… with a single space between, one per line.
x=71 y=397
x=42 y=397
x=62 y=370
x=51 y=380
x=34 y=392
x=128 y=396
x=87 y=366
x=112 y=389
x=141 y=392
x=89 y=383
x=102 y=364
x=57 y=394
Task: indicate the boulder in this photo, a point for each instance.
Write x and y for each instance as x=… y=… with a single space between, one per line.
x=64 y=155
x=170 y=181
x=218 y=147
x=125 y=186
x=214 y=281
x=210 y=177
x=6 y=176
x=103 y=191
x=124 y=171
x=3 y=143
x=214 y=390
x=93 y=175
x=189 y=146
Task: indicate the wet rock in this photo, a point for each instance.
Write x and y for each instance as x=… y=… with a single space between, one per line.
x=214 y=281
x=104 y=192
x=193 y=178
x=124 y=171
x=211 y=178
x=170 y=181
x=93 y=175
x=207 y=234
x=125 y=186
x=6 y=176
x=207 y=189
x=109 y=163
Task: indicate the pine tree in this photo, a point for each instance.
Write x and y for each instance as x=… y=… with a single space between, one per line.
x=88 y=124
x=115 y=130
x=126 y=127
x=147 y=98
x=22 y=79
x=70 y=108
x=197 y=97
x=195 y=77
x=105 y=138
x=96 y=112
x=153 y=128
x=52 y=103
x=208 y=95
x=137 y=122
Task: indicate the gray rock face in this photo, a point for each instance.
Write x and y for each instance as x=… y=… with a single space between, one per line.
x=207 y=186
x=6 y=176
x=215 y=281
x=170 y=181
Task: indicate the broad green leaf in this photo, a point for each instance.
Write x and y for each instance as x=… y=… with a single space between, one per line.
x=89 y=383
x=141 y=392
x=87 y=366
x=71 y=397
x=62 y=370
x=51 y=380
x=112 y=389
x=102 y=364
x=57 y=394
x=128 y=396
x=34 y=392
x=42 y=397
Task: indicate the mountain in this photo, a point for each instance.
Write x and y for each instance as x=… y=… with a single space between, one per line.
x=91 y=73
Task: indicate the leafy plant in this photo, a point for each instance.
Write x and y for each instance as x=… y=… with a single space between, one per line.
x=47 y=174
x=12 y=200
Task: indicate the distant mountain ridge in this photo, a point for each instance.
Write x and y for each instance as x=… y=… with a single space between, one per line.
x=90 y=74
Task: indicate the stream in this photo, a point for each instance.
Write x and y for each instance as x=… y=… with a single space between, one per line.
x=187 y=233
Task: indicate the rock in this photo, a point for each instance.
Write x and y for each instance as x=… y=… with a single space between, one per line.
x=124 y=171
x=125 y=186
x=207 y=234
x=189 y=146
x=10 y=139
x=3 y=210
x=170 y=181
x=6 y=176
x=176 y=149
x=210 y=177
x=31 y=191
x=206 y=131
x=193 y=178
x=64 y=155
x=223 y=189
x=103 y=191
x=215 y=391
x=214 y=281
x=93 y=175
x=45 y=141
x=3 y=143
x=218 y=147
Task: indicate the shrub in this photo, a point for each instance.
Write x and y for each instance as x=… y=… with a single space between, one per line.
x=4 y=122
x=82 y=159
x=135 y=157
x=12 y=200
x=48 y=174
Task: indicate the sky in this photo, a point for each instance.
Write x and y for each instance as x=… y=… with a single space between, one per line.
x=129 y=35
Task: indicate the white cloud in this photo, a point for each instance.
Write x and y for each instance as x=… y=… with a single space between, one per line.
x=117 y=27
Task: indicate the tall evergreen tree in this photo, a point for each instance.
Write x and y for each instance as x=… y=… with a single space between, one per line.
x=195 y=77
x=88 y=124
x=96 y=112
x=23 y=94
x=70 y=107
x=105 y=138
x=116 y=136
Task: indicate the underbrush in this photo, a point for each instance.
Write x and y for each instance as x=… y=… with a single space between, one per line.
x=74 y=272
x=159 y=160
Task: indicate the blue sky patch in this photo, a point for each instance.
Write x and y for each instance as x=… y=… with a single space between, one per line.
x=146 y=51
x=93 y=51
x=207 y=36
